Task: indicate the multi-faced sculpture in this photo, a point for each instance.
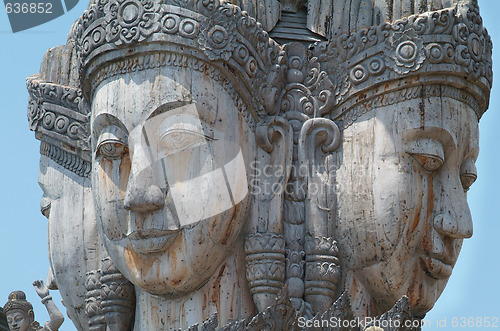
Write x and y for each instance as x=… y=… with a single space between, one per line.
x=225 y=166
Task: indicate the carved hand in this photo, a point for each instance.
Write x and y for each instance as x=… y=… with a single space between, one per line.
x=41 y=288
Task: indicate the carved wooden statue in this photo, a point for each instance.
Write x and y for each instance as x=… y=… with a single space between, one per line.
x=252 y=168
x=20 y=315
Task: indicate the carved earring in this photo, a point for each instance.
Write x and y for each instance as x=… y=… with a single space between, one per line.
x=35 y=325
x=265 y=244
x=319 y=137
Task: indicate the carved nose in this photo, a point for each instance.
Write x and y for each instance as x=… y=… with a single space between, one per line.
x=454 y=227
x=140 y=200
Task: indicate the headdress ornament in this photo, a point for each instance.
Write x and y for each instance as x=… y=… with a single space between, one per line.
x=57 y=111
x=442 y=53
x=17 y=300
x=211 y=36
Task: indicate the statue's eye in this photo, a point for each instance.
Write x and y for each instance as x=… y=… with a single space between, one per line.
x=45 y=204
x=429 y=153
x=180 y=139
x=429 y=162
x=467 y=180
x=112 y=149
x=468 y=174
x=112 y=143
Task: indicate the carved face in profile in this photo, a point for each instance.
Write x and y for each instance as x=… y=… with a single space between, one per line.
x=67 y=204
x=19 y=320
x=170 y=153
x=403 y=211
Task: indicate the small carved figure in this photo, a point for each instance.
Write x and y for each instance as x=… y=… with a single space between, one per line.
x=20 y=315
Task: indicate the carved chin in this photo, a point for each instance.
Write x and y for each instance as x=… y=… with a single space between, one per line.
x=425 y=290
x=418 y=281
x=172 y=265
x=166 y=274
x=425 y=295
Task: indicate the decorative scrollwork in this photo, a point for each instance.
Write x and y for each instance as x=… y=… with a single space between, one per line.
x=213 y=30
x=70 y=161
x=444 y=43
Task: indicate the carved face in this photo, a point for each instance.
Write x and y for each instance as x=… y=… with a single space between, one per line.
x=403 y=211
x=18 y=320
x=169 y=158
x=72 y=233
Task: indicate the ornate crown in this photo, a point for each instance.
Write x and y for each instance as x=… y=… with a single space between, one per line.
x=413 y=55
x=57 y=111
x=206 y=35
x=441 y=53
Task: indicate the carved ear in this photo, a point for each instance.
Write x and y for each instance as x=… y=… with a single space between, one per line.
x=271 y=171
x=31 y=315
x=319 y=137
x=265 y=245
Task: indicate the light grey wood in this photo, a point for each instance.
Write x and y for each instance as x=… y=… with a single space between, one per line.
x=217 y=178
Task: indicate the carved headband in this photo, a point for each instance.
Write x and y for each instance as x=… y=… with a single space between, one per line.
x=405 y=59
x=203 y=34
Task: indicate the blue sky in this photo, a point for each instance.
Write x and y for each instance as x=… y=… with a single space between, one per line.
x=472 y=292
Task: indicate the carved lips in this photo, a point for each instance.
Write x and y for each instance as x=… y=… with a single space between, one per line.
x=435 y=267
x=152 y=241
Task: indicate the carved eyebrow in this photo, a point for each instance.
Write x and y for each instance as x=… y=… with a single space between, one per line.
x=201 y=112
x=429 y=132
x=472 y=153
x=104 y=120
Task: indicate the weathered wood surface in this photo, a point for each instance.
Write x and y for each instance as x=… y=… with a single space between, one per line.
x=237 y=183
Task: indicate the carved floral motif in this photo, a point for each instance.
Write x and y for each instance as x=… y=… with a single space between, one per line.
x=449 y=41
x=404 y=53
x=265 y=257
x=216 y=31
x=322 y=272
